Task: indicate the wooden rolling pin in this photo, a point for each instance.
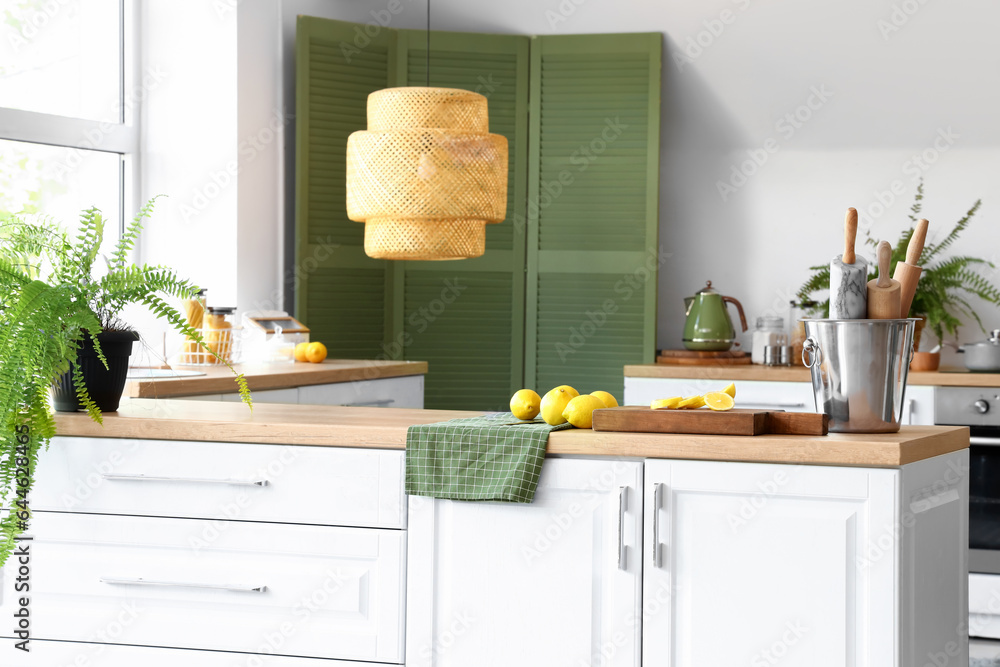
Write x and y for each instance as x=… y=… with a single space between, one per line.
x=908 y=272
x=883 y=292
x=848 y=276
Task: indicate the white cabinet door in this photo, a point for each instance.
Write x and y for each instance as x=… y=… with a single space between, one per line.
x=399 y=392
x=761 y=564
x=556 y=582
x=311 y=591
x=43 y=653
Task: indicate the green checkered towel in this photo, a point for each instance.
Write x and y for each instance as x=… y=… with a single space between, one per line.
x=493 y=457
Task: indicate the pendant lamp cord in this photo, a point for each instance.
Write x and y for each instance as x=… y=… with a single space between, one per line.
x=428 y=43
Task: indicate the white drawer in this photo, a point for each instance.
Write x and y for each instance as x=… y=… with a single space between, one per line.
x=323 y=592
x=78 y=654
x=400 y=392
x=787 y=396
x=331 y=486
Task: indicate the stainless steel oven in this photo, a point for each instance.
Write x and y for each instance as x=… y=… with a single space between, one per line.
x=979 y=409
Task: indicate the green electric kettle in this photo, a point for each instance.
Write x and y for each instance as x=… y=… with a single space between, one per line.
x=708 y=327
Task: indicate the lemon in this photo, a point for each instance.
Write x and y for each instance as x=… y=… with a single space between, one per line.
x=731 y=390
x=666 y=403
x=580 y=410
x=719 y=400
x=553 y=404
x=573 y=393
x=300 y=352
x=691 y=402
x=315 y=352
x=525 y=404
x=608 y=400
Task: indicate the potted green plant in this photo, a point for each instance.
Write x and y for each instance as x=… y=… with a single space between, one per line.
x=57 y=322
x=942 y=300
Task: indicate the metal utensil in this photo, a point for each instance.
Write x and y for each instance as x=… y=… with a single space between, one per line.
x=983 y=356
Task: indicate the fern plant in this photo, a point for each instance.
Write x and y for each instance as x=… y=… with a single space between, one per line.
x=50 y=302
x=946 y=287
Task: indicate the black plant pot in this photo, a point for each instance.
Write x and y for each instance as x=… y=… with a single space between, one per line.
x=105 y=385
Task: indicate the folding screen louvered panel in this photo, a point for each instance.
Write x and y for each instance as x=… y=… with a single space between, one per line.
x=341 y=294
x=474 y=345
x=592 y=209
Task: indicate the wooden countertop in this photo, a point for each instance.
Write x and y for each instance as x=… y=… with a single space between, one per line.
x=385 y=428
x=949 y=378
x=220 y=380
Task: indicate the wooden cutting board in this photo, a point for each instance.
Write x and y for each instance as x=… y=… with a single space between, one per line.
x=641 y=419
x=699 y=358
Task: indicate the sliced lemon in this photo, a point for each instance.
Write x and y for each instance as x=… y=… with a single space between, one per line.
x=666 y=403
x=719 y=400
x=525 y=404
x=580 y=410
x=691 y=403
x=608 y=400
x=731 y=390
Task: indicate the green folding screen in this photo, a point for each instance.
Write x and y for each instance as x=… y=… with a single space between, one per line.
x=513 y=317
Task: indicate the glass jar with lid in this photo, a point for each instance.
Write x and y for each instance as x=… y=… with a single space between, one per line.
x=769 y=332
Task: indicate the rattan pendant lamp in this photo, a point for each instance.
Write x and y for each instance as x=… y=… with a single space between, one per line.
x=427 y=176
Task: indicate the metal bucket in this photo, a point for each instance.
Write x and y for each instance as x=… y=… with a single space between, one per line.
x=859 y=370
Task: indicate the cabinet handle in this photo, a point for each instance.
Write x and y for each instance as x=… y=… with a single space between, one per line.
x=753 y=404
x=139 y=581
x=988 y=442
x=910 y=405
x=195 y=480
x=622 y=508
x=657 y=500
x=371 y=404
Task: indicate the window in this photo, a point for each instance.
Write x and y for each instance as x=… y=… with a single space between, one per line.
x=68 y=108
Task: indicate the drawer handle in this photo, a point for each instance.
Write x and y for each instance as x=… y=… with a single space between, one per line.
x=371 y=404
x=139 y=581
x=195 y=480
x=753 y=404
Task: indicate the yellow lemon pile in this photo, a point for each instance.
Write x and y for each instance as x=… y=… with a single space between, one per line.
x=560 y=405
x=715 y=400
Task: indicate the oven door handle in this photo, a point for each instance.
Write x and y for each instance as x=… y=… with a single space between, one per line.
x=989 y=442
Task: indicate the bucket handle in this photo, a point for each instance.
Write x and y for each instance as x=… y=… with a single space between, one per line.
x=812 y=354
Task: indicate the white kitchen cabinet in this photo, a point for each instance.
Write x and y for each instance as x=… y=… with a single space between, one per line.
x=334 y=486
x=556 y=582
x=787 y=396
x=406 y=391
x=761 y=564
x=46 y=653
x=311 y=591
x=398 y=392
x=918 y=406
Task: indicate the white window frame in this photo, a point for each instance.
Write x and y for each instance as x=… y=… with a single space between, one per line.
x=122 y=138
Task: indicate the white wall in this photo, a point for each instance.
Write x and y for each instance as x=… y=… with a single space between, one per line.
x=189 y=142
x=890 y=94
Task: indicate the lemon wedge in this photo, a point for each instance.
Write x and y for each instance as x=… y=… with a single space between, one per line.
x=666 y=403
x=731 y=390
x=719 y=400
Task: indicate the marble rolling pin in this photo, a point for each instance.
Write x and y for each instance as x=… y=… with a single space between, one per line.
x=908 y=272
x=883 y=292
x=849 y=277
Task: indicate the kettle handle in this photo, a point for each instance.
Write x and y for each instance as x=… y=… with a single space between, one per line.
x=739 y=307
